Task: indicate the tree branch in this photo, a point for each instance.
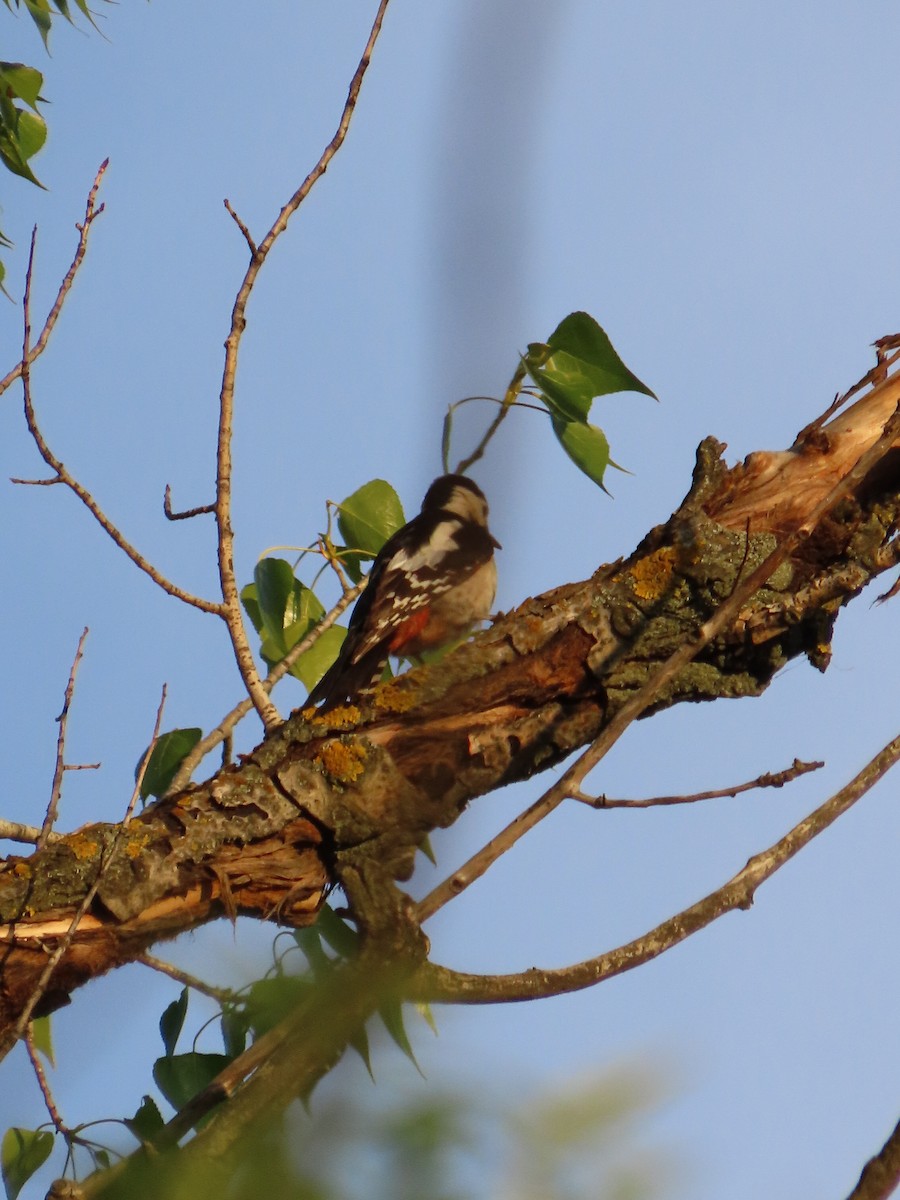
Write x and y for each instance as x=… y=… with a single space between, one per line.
x=91 y=213
x=231 y=603
x=438 y=984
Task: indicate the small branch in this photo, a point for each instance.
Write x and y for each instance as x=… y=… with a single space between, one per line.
x=243 y=228
x=63 y=476
x=60 y=769
x=41 y=1075
x=90 y=215
x=225 y=727
x=881 y=1175
x=506 y=404
x=721 y=619
x=768 y=780
x=231 y=610
x=434 y=983
x=14 y=831
x=188 y=512
x=220 y=995
x=66 y=940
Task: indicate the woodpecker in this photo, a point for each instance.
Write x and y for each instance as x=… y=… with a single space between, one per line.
x=430 y=583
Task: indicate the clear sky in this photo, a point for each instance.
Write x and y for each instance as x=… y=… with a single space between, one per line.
x=717 y=185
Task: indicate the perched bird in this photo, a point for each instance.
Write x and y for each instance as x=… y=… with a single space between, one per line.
x=430 y=582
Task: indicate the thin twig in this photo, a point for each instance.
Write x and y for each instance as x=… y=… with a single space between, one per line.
x=63 y=475
x=436 y=983
x=60 y=768
x=506 y=404
x=66 y=940
x=242 y=227
x=171 y=515
x=41 y=1075
x=768 y=780
x=228 y=723
x=220 y=995
x=724 y=615
x=90 y=215
x=231 y=603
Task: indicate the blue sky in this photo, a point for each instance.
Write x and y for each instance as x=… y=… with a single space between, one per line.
x=717 y=185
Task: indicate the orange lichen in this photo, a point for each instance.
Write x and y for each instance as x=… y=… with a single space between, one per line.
x=343 y=761
x=82 y=845
x=651 y=577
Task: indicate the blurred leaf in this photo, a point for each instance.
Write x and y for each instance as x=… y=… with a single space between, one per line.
x=391 y=1013
x=270 y=1000
x=167 y=755
x=586 y=445
x=39 y=10
x=171 y=1022
x=147 y=1122
x=42 y=1035
x=235 y=1026
x=339 y=935
x=369 y=516
x=181 y=1076
x=311 y=944
x=360 y=1043
x=23 y=1151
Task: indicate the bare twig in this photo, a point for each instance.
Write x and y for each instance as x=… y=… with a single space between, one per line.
x=242 y=227
x=513 y=389
x=188 y=512
x=724 y=615
x=41 y=1075
x=66 y=940
x=768 y=780
x=231 y=604
x=63 y=475
x=881 y=1175
x=438 y=984
x=91 y=213
x=220 y=995
x=60 y=768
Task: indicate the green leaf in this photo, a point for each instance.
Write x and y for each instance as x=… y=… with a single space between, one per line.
x=39 y=10
x=23 y=1151
x=391 y=1013
x=579 y=335
x=147 y=1122
x=274 y=587
x=235 y=1025
x=23 y=82
x=171 y=1022
x=311 y=944
x=32 y=133
x=311 y=666
x=369 y=516
x=270 y=1000
x=42 y=1035
x=341 y=937
x=586 y=445
x=576 y=364
x=181 y=1076
x=250 y=602
x=167 y=755
x=360 y=1043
